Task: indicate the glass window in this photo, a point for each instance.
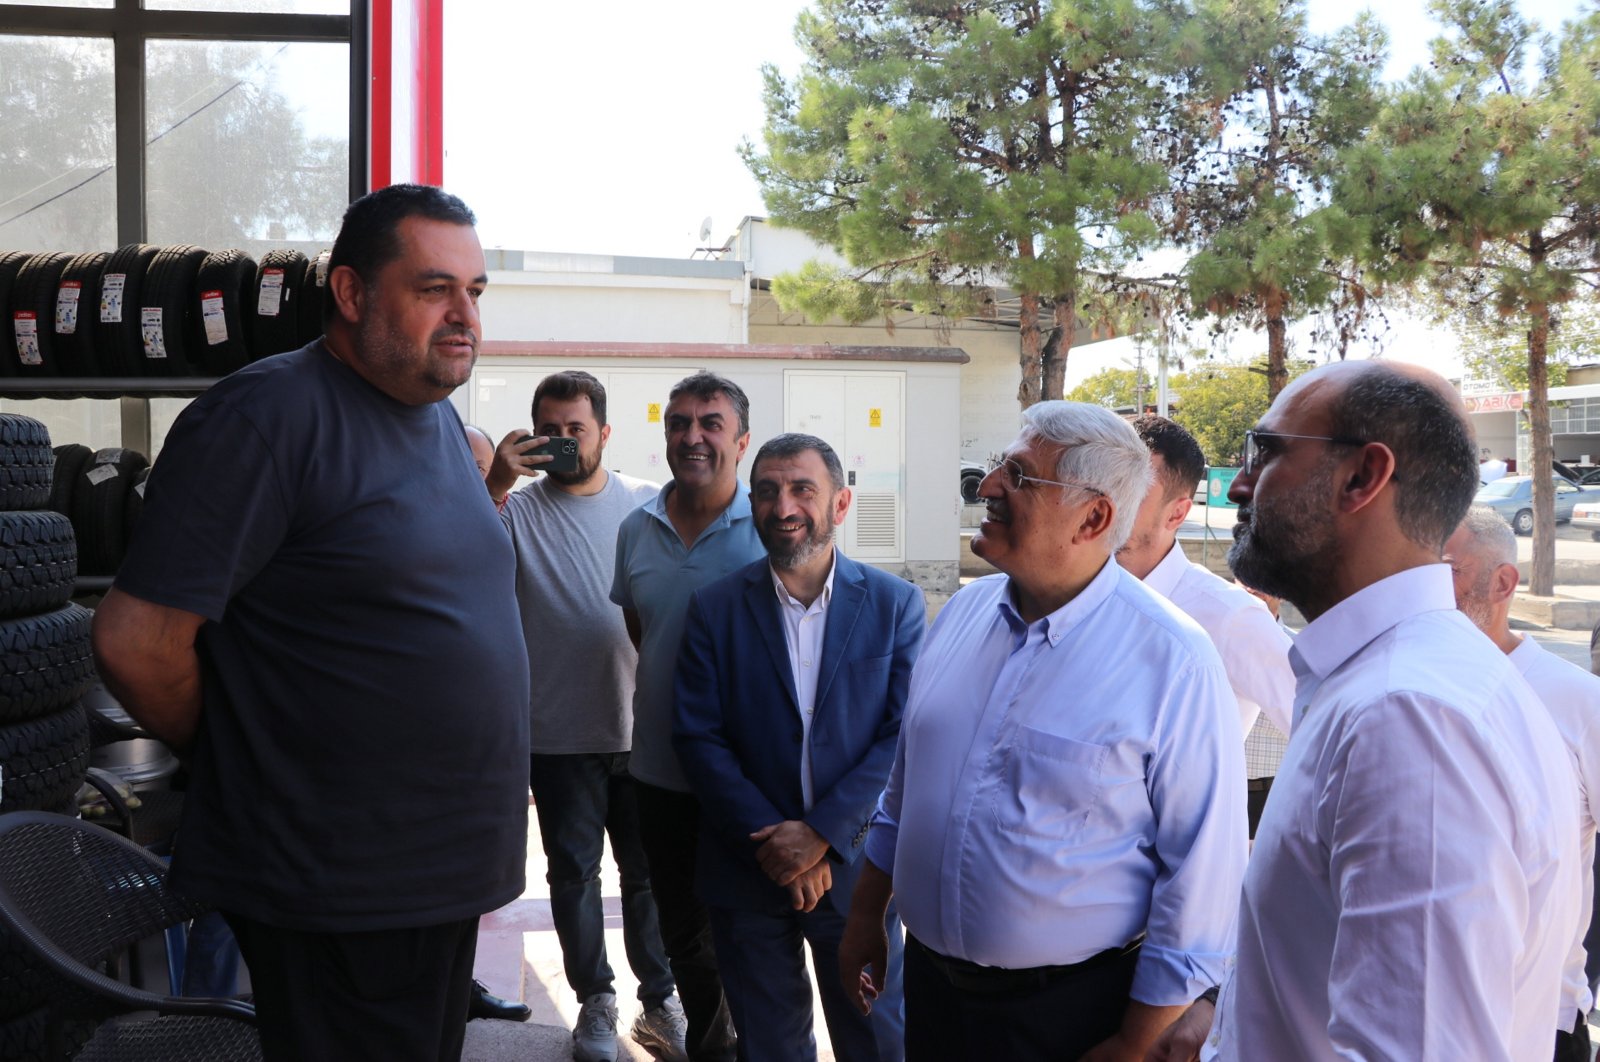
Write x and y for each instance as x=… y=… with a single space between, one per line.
x=248 y=143
x=58 y=179
x=271 y=7
x=63 y=3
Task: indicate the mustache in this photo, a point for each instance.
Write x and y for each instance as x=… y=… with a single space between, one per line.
x=446 y=335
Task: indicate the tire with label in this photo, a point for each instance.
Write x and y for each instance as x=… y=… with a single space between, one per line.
x=11 y=263
x=38 y=563
x=45 y=662
x=99 y=508
x=74 y=313
x=119 y=346
x=277 y=303
x=169 y=319
x=222 y=295
x=135 y=506
x=70 y=460
x=30 y=335
x=312 y=292
x=43 y=760
x=27 y=464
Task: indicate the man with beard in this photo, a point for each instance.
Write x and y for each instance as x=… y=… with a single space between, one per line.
x=1253 y=646
x=564 y=530
x=317 y=611
x=1413 y=891
x=1482 y=555
x=1063 y=829
x=695 y=531
x=790 y=688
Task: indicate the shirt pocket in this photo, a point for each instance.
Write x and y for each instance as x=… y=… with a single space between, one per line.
x=1048 y=784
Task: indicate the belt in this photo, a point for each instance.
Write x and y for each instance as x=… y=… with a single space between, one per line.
x=995 y=980
x=1258 y=785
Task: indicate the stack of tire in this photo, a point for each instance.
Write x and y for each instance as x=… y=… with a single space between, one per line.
x=144 y=311
x=45 y=667
x=102 y=493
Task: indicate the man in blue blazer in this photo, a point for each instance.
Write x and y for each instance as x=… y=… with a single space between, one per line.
x=790 y=686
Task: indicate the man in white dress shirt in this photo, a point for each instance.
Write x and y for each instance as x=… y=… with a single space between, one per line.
x=1253 y=646
x=1063 y=828
x=1482 y=555
x=1413 y=890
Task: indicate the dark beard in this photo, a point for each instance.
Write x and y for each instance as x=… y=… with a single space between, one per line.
x=587 y=467
x=813 y=544
x=1287 y=548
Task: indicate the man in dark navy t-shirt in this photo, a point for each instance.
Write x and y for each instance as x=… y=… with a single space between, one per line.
x=317 y=610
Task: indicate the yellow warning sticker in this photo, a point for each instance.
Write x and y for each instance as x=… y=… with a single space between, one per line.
x=875 y=417
x=652 y=413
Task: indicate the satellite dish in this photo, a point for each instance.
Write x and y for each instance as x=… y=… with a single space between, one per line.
x=705 y=230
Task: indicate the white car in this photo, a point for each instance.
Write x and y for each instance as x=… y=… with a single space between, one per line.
x=1586 y=517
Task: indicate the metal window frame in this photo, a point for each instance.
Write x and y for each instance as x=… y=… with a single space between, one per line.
x=130 y=27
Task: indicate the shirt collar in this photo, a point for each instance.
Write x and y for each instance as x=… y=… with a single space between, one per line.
x=1058 y=623
x=1164 y=577
x=1342 y=631
x=737 y=509
x=786 y=598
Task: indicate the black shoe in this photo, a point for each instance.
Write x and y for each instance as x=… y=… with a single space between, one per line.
x=482 y=1004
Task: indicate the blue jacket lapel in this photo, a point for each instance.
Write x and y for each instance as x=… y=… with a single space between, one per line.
x=762 y=601
x=844 y=608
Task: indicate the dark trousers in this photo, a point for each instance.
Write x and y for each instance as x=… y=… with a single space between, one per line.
x=1574 y=1046
x=580 y=799
x=1061 y=1018
x=669 y=825
x=393 y=995
x=763 y=962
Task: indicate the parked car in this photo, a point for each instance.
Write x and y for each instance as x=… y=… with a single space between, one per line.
x=1512 y=498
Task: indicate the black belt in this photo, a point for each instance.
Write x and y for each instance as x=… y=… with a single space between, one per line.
x=1258 y=785
x=995 y=980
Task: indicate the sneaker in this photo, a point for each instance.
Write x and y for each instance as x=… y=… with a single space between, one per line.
x=595 y=1038
x=663 y=1031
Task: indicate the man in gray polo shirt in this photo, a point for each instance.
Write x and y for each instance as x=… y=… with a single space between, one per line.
x=697 y=530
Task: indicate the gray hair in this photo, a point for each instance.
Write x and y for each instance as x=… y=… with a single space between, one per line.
x=1490 y=535
x=1099 y=450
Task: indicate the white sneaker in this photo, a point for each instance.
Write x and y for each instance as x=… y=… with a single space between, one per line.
x=663 y=1031
x=595 y=1038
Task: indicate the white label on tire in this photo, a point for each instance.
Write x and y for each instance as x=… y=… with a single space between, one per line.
x=25 y=325
x=138 y=488
x=150 y=327
x=67 y=307
x=106 y=456
x=211 y=315
x=322 y=270
x=101 y=473
x=111 y=286
x=271 y=293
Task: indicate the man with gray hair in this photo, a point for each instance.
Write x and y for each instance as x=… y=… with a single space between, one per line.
x=1063 y=829
x=1482 y=555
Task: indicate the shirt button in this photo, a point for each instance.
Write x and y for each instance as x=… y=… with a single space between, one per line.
x=805 y=663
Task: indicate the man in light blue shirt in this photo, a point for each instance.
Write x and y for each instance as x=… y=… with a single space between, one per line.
x=1064 y=825
x=694 y=532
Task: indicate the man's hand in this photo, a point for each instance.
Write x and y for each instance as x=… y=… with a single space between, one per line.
x=806 y=891
x=1182 y=1040
x=788 y=849
x=864 y=946
x=511 y=459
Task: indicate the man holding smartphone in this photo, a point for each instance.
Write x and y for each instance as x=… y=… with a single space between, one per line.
x=564 y=530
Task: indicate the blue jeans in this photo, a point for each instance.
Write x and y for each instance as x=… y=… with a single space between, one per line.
x=580 y=799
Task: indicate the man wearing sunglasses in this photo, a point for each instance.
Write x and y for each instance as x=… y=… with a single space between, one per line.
x=1413 y=890
x=1063 y=828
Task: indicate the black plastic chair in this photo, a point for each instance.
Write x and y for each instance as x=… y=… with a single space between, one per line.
x=76 y=897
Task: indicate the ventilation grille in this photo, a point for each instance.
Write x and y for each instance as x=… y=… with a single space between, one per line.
x=878 y=522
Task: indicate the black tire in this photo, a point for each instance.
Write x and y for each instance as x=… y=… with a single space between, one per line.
x=969 y=487
x=119 y=345
x=1522 y=523
x=274 y=333
x=27 y=464
x=33 y=299
x=225 y=283
x=75 y=313
x=135 y=505
x=99 y=508
x=11 y=263
x=45 y=663
x=173 y=347
x=38 y=563
x=23 y=1028
x=70 y=460
x=312 y=292
x=43 y=761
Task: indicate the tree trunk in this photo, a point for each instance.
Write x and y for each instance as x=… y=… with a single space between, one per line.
x=1053 y=357
x=1277 y=346
x=1542 y=580
x=1029 y=354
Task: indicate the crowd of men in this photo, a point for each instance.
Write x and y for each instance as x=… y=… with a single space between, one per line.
x=1022 y=831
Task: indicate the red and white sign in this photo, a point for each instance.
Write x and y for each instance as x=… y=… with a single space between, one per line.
x=1510 y=402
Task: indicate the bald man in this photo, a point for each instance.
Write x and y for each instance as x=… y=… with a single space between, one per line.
x=1413 y=892
x=1482 y=555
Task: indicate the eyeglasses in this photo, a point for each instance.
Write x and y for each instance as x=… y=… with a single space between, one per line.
x=1013 y=479
x=1258 y=446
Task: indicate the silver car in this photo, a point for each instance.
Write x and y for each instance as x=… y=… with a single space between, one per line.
x=1512 y=498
